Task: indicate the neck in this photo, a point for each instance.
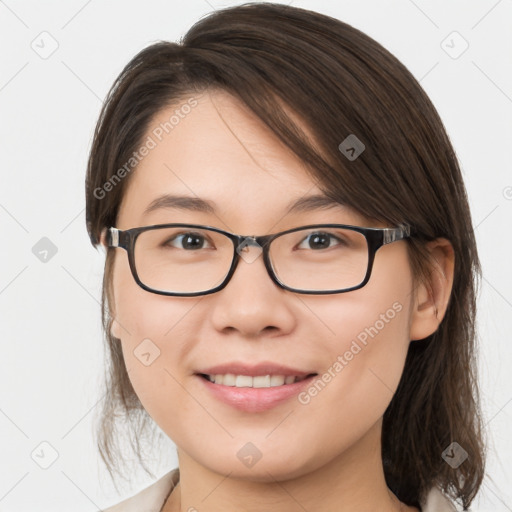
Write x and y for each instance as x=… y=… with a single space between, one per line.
x=354 y=480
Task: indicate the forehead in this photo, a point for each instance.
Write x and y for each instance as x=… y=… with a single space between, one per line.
x=217 y=152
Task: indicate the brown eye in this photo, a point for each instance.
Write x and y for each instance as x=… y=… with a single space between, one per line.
x=189 y=241
x=321 y=240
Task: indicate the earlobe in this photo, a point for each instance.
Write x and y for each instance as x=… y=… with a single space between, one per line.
x=431 y=298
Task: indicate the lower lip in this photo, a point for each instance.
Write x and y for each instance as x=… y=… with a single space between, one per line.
x=255 y=399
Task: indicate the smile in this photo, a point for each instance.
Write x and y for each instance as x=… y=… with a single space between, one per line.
x=254 y=394
x=259 y=381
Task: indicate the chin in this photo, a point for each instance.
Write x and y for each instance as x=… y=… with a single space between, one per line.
x=255 y=466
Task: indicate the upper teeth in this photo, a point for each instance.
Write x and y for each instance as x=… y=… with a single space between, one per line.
x=246 y=381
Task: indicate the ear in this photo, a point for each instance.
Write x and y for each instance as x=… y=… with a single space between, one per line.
x=431 y=298
x=103 y=237
x=114 y=326
x=115 y=329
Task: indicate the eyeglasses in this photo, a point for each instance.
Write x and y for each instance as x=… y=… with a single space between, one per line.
x=188 y=259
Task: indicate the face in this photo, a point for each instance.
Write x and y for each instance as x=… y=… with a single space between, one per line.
x=354 y=342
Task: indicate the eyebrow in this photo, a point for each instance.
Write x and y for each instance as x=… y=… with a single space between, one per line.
x=196 y=204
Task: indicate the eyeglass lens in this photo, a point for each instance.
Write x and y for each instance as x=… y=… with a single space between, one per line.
x=189 y=260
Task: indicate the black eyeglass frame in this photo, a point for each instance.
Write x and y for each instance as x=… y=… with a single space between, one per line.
x=375 y=237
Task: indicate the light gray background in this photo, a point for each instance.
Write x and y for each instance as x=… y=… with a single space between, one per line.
x=52 y=355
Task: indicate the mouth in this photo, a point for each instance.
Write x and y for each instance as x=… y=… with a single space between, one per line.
x=253 y=388
x=258 y=381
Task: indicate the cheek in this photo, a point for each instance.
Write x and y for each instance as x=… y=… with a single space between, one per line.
x=365 y=338
x=147 y=324
x=365 y=344
x=360 y=376
x=141 y=314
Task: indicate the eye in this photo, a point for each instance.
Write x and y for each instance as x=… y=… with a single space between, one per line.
x=189 y=241
x=321 y=240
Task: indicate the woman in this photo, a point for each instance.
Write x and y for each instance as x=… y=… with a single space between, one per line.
x=289 y=289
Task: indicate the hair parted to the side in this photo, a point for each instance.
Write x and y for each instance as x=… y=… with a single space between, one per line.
x=339 y=82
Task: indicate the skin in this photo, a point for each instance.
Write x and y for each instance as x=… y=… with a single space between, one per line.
x=322 y=456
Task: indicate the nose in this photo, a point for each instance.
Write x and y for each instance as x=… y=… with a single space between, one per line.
x=251 y=303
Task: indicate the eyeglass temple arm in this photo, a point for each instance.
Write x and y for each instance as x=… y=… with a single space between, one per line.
x=398 y=233
x=113 y=237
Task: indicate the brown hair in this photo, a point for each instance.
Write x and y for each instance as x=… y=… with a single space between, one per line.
x=339 y=82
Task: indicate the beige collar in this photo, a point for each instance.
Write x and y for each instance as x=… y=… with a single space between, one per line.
x=152 y=498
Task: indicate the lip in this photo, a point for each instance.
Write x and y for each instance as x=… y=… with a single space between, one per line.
x=264 y=368
x=255 y=399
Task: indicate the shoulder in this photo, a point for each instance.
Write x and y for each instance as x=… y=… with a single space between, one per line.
x=149 y=499
x=436 y=501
